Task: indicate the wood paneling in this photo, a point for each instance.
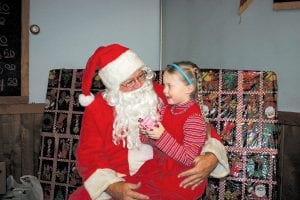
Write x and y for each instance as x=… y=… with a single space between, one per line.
x=289 y=160
x=19 y=139
x=21 y=108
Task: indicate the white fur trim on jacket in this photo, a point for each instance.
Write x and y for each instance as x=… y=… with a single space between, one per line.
x=138 y=156
x=98 y=182
x=214 y=146
x=120 y=69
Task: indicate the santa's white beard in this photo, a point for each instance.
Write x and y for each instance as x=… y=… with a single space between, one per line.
x=129 y=107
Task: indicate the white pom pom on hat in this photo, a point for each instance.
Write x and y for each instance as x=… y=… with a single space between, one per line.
x=115 y=63
x=86 y=100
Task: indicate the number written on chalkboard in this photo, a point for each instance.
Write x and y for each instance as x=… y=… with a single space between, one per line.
x=10 y=47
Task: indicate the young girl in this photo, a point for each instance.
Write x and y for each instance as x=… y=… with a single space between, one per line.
x=180 y=135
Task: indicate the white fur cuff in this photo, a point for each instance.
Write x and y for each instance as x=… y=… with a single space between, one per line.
x=98 y=182
x=214 y=146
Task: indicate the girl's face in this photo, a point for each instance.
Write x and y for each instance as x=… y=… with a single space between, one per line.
x=175 y=89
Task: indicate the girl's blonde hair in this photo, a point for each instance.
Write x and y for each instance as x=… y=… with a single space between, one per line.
x=193 y=73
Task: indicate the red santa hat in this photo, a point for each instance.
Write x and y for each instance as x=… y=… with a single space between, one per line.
x=115 y=63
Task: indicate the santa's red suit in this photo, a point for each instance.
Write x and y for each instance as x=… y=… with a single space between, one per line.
x=100 y=162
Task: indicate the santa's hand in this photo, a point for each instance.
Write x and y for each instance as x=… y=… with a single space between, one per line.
x=123 y=190
x=204 y=165
x=156 y=131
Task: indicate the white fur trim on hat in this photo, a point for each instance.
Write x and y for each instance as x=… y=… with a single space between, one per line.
x=120 y=69
x=86 y=100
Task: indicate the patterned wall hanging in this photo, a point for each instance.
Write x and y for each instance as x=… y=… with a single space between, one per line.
x=242 y=105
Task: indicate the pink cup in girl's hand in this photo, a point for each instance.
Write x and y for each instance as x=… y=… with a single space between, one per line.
x=147 y=123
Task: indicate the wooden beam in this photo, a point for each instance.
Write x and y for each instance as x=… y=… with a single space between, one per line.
x=22 y=108
x=286 y=5
x=25 y=49
x=14 y=100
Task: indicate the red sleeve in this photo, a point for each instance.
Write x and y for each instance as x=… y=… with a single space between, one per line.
x=194 y=132
x=159 y=91
x=90 y=154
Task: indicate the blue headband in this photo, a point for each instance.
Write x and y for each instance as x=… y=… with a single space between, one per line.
x=180 y=70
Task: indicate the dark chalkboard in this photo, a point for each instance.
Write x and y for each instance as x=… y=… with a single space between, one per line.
x=10 y=47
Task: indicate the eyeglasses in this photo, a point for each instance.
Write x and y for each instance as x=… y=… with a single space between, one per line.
x=131 y=82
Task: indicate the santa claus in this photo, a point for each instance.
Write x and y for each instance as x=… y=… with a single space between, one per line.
x=110 y=153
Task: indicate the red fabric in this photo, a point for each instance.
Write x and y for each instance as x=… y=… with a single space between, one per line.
x=108 y=54
x=101 y=57
x=214 y=133
x=96 y=150
x=163 y=169
x=159 y=91
x=174 y=126
x=159 y=184
x=80 y=194
x=168 y=183
x=185 y=151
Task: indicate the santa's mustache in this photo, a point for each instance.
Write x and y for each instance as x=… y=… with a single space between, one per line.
x=132 y=106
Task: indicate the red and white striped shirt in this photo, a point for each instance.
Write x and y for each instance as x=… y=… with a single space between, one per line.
x=185 y=144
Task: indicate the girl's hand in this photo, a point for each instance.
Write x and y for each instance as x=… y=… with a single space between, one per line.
x=156 y=131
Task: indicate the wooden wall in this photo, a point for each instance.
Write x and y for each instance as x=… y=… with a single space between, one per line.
x=289 y=155
x=20 y=138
